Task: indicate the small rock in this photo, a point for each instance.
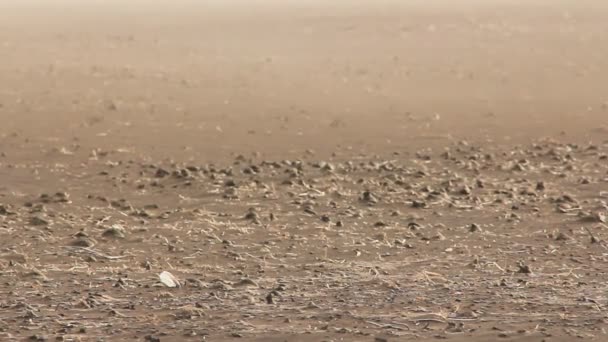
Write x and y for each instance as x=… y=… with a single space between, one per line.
x=419 y=204
x=246 y=282
x=83 y=241
x=189 y=312
x=523 y=268
x=269 y=298
x=438 y=237
x=474 y=227
x=465 y=190
x=38 y=221
x=116 y=232
x=150 y=338
x=160 y=173
x=252 y=215
x=5 y=210
x=540 y=186
x=414 y=226
x=368 y=198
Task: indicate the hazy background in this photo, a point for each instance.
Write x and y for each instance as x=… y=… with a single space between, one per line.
x=217 y=76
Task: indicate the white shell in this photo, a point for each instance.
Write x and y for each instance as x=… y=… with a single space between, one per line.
x=168 y=279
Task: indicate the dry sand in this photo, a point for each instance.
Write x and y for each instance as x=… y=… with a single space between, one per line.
x=356 y=171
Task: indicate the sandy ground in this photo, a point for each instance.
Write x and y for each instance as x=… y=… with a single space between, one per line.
x=356 y=171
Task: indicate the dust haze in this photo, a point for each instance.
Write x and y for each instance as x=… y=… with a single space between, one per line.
x=305 y=170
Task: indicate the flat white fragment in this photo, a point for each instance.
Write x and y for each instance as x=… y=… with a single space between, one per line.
x=168 y=279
